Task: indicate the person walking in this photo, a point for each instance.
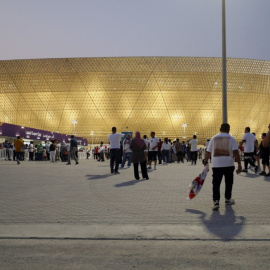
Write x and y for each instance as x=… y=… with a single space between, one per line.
x=73 y=149
x=147 y=146
x=153 y=150
x=127 y=152
x=193 y=149
x=223 y=148
x=248 y=141
x=138 y=146
x=266 y=139
x=18 y=144
x=179 y=150
x=114 y=140
x=265 y=152
x=165 y=149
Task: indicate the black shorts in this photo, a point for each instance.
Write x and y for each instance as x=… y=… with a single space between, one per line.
x=152 y=155
x=265 y=159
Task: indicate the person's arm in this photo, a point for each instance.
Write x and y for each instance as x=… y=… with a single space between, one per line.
x=237 y=158
x=266 y=140
x=207 y=157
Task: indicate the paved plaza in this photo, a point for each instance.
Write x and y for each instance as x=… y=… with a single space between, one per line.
x=43 y=201
x=37 y=194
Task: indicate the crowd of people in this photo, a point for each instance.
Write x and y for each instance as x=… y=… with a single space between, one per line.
x=52 y=151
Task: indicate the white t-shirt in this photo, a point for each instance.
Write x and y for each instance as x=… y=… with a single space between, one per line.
x=249 y=139
x=114 y=140
x=153 y=142
x=221 y=147
x=193 y=143
x=31 y=148
x=165 y=146
x=146 y=143
x=126 y=145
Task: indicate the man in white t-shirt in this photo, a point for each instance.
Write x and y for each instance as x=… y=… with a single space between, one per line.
x=153 y=150
x=114 y=140
x=223 y=149
x=193 y=149
x=249 y=141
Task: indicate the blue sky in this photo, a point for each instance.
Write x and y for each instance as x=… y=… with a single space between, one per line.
x=115 y=28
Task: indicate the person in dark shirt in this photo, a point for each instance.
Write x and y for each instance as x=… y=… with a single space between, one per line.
x=73 y=150
x=265 y=157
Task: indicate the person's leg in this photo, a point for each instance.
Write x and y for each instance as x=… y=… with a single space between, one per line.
x=117 y=159
x=217 y=178
x=155 y=159
x=18 y=157
x=112 y=154
x=124 y=160
x=144 y=169
x=228 y=173
x=164 y=156
x=136 y=171
x=69 y=156
x=195 y=157
x=129 y=158
x=150 y=158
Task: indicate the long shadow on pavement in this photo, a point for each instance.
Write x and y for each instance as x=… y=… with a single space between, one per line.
x=97 y=176
x=129 y=183
x=226 y=226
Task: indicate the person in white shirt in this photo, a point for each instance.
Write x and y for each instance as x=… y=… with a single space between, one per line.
x=147 y=146
x=193 y=150
x=153 y=150
x=223 y=149
x=165 y=149
x=114 y=140
x=31 y=151
x=127 y=152
x=249 y=141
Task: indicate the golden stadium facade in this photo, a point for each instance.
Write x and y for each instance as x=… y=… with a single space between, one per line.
x=137 y=93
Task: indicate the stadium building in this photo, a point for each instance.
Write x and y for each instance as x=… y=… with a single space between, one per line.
x=140 y=93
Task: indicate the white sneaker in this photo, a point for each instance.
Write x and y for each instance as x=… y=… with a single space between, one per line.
x=149 y=167
x=229 y=202
x=155 y=168
x=215 y=205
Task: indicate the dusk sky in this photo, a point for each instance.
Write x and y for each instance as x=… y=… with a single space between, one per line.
x=115 y=28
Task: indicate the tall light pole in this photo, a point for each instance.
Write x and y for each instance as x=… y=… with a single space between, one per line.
x=224 y=66
x=184 y=126
x=92 y=134
x=74 y=123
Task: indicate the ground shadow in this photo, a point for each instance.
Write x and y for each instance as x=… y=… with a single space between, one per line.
x=226 y=226
x=129 y=183
x=249 y=175
x=97 y=176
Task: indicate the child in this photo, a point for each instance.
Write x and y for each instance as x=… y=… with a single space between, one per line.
x=44 y=154
x=265 y=157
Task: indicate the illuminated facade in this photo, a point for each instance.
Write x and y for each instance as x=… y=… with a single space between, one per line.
x=140 y=93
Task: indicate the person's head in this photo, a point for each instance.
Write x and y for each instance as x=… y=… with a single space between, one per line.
x=208 y=139
x=72 y=136
x=128 y=136
x=254 y=133
x=225 y=128
x=183 y=142
x=101 y=143
x=152 y=134
x=18 y=137
x=138 y=135
x=263 y=135
x=194 y=136
x=31 y=142
x=166 y=140
x=144 y=136
x=177 y=140
x=113 y=129
x=247 y=129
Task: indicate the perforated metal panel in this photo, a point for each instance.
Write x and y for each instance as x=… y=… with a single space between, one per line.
x=141 y=93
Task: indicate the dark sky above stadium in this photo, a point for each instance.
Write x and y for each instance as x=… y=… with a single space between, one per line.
x=115 y=28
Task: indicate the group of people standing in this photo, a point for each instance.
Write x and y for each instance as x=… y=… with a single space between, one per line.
x=52 y=150
x=142 y=151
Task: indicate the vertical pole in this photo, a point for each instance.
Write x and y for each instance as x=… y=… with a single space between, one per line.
x=224 y=66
